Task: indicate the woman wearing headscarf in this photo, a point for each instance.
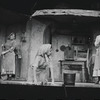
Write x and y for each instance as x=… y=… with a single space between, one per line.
x=42 y=64
x=96 y=70
x=8 y=57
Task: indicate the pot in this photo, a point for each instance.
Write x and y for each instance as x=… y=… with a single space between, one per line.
x=69 y=78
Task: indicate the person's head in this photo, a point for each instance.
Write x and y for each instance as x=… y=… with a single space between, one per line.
x=11 y=36
x=49 y=51
x=45 y=49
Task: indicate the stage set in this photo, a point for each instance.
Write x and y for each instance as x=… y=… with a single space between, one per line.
x=72 y=33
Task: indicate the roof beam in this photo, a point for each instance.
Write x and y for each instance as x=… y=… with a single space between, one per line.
x=73 y=12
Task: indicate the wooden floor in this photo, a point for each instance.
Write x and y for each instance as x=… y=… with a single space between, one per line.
x=88 y=85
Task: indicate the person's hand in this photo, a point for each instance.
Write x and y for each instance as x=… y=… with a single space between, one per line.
x=2 y=45
x=3 y=53
x=19 y=56
x=11 y=50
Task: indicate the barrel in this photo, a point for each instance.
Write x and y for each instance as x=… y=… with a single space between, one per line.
x=69 y=78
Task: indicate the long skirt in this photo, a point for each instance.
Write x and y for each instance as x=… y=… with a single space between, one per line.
x=96 y=70
x=42 y=74
x=8 y=63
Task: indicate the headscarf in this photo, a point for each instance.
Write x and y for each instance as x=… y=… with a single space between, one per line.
x=97 y=44
x=10 y=35
x=43 y=49
x=97 y=41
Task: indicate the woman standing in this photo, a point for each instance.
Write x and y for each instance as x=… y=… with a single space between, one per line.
x=96 y=71
x=42 y=65
x=8 y=57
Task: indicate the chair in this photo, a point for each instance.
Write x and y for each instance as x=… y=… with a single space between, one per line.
x=84 y=56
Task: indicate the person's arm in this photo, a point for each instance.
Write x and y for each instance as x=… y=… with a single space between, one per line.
x=52 y=75
x=3 y=51
x=51 y=69
x=49 y=60
x=35 y=79
x=11 y=49
x=35 y=65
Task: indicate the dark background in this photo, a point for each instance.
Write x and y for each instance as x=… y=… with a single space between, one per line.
x=29 y=6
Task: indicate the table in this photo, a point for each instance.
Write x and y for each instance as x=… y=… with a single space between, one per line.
x=74 y=62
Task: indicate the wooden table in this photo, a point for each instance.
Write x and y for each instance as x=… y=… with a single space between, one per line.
x=76 y=62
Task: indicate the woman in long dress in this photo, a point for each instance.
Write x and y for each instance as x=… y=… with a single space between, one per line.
x=43 y=65
x=8 y=57
x=96 y=70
